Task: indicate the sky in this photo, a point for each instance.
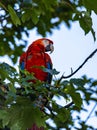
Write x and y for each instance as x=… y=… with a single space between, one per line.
x=72 y=47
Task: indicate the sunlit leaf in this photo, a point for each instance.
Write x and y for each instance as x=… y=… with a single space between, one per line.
x=35 y=16
x=76 y=97
x=14 y=16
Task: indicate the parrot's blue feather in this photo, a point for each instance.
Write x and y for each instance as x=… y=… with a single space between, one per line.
x=22 y=65
x=49 y=76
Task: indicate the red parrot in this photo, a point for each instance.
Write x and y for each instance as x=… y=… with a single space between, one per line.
x=34 y=58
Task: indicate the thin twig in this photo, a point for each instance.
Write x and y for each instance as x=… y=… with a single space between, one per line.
x=69 y=105
x=90 y=112
x=68 y=76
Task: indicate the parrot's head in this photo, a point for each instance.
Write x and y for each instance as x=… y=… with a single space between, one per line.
x=48 y=45
x=42 y=45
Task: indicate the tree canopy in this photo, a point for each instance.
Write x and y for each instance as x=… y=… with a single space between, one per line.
x=17 y=107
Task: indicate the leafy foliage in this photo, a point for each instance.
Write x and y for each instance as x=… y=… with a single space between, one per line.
x=21 y=112
x=21 y=102
x=24 y=107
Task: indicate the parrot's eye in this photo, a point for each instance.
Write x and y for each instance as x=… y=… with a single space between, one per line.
x=45 y=42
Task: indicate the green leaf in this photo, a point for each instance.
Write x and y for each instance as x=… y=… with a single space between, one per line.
x=77 y=81
x=91 y=5
x=94 y=83
x=14 y=16
x=26 y=117
x=32 y=14
x=63 y=114
x=77 y=99
x=22 y=114
x=85 y=22
x=93 y=33
x=51 y=71
x=26 y=16
x=7 y=71
x=75 y=95
x=48 y=4
x=4 y=117
x=12 y=88
x=35 y=16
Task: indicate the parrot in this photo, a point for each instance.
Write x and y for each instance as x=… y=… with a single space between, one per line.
x=36 y=57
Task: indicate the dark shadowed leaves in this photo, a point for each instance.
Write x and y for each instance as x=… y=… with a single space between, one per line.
x=91 y=5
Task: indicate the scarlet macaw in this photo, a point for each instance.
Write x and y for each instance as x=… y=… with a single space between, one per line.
x=36 y=56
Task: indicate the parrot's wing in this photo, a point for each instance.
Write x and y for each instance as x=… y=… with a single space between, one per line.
x=22 y=61
x=49 y=76
x=22 y=65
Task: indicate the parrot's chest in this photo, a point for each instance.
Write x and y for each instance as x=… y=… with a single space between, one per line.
x=34 y=62
x=37 y=59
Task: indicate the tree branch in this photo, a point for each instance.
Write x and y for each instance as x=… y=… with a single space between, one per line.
x=68 y=76
x=69 y=104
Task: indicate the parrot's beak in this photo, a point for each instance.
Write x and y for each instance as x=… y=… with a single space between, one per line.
x=48 y=46
x=51 y=48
